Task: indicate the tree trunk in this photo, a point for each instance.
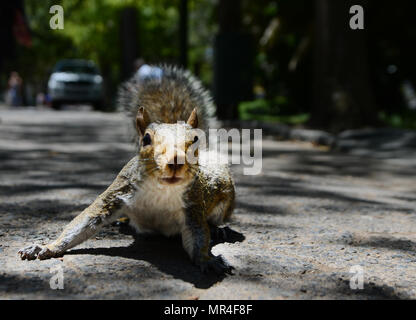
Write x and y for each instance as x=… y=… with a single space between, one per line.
x=129 y=46
x=233 y=59
x=183 y=33
x=343 y=96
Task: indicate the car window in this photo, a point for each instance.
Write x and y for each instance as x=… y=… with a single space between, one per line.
x=77 y=69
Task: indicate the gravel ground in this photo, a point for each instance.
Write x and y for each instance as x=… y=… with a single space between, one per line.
x=307 y=219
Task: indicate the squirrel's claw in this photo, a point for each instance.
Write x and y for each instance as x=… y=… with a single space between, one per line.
x=34 y=251
x=30 y=252
x=46 y=253
x=217 y=264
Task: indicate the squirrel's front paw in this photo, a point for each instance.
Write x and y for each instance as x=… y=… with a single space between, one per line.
x=30 y=252
x=34 y=251
x=216 y=264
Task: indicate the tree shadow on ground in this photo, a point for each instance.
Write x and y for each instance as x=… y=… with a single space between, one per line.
x=262 y=209
x=37 y=285
x=370 y=291
x=337 y=163
x=338 y=286
x=21 y=284
x=271 y=187
x=166 y=254
x=388 y=243
x=58 y=167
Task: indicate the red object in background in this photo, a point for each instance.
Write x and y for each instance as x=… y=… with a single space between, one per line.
x=21 y=30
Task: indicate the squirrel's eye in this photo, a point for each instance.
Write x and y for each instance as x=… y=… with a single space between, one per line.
x=195 y=139
x=146 y=140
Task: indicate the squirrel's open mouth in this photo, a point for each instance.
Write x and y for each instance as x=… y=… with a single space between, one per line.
x=171 y=180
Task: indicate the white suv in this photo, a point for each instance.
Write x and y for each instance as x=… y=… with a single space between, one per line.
x=75 y=81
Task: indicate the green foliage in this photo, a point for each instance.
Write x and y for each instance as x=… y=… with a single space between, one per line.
x=282 y=33
x=264 y=110
x=202 y=30
x=406 y=120
x=48 y=46
x=92 y=32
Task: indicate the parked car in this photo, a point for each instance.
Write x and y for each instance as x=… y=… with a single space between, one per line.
x=75 y=81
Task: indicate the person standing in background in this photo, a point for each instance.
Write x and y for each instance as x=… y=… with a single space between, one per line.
x=14 y=30
x=145 y=72
x=15 y=90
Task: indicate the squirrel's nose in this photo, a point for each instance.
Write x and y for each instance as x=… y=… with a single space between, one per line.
x=174 y=165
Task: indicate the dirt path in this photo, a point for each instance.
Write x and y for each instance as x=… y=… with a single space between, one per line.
x=309 y=218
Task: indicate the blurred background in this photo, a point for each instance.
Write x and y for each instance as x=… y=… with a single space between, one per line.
x=296 y=62
x=338 y=111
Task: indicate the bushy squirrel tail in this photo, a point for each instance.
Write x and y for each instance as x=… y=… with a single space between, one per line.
x=168 y=98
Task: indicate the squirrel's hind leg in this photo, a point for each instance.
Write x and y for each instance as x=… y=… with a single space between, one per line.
x=225 y=234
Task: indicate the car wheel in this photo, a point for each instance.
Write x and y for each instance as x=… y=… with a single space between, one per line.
x=56 y=105
x=98 y=105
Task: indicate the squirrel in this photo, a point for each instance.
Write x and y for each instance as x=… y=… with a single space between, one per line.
x=156 y=189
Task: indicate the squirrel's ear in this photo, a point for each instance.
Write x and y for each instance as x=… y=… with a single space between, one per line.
x=142 y=120
x=193 y=119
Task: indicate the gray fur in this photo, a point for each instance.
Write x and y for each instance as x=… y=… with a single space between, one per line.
x=168 y=100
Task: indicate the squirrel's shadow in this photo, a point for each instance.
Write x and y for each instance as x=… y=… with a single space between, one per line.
x=167 y=254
